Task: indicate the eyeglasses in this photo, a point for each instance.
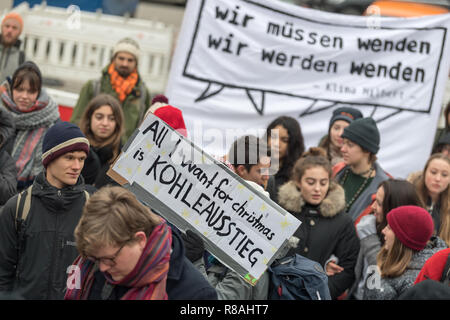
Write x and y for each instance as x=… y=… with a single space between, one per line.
x=109 y=261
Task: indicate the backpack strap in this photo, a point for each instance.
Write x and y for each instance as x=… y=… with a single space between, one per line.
x=446 y=273
x=22 y=209
x=23 y=206
x=21 y=57
x=96 y=87
x=143 y=90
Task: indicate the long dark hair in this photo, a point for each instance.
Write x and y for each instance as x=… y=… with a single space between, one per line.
x=397 y=193
x=296 y=144
x=85 y=122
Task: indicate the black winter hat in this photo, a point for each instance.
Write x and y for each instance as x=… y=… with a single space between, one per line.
x=345 y=113
x=61 y=138
x=364 y=132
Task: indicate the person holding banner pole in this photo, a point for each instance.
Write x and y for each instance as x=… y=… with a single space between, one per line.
x=127 y=252
x=360 y=174
x=284 y=137
x=326 y=230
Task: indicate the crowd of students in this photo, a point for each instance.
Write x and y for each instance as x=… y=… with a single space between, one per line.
x=398 y=224
x=375 y=236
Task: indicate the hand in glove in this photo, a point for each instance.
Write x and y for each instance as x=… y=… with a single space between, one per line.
x=194 y=245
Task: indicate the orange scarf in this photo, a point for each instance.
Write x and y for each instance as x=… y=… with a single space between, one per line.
x=123 y=86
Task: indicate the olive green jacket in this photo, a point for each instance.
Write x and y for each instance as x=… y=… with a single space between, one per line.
x=134 y=105
x=10 y=59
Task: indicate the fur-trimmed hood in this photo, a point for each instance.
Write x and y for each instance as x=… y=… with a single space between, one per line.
x=290 y=198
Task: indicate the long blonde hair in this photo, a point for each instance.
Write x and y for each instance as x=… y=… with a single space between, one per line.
x=85 y=122
x=393 y=262
x=444 y=198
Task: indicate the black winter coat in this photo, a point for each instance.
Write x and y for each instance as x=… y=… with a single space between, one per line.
x=48 y=246
x=8 y=173
x=274 y=183
x=326 y=230
x=96 y=167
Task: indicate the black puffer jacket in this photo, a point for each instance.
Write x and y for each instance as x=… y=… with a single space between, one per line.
x=8 y=180
x=48 y=245
x=325 y=231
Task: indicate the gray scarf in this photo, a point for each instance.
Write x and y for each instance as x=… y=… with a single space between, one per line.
x=30 y=131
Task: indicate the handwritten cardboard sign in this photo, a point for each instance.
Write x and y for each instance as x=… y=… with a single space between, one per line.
x=240 y=226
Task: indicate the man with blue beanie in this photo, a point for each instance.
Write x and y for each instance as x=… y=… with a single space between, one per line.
x=37 y=245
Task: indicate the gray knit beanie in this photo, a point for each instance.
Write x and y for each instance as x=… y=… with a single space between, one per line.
x=364 y=132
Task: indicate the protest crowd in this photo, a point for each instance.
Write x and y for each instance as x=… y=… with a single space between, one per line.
x=68 y=230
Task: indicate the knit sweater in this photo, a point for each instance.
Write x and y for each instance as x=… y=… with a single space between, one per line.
x=392 y=288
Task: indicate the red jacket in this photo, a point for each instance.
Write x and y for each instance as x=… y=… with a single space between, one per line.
x=434 y=266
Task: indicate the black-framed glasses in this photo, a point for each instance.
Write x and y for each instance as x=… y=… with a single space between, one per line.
x=109 y=261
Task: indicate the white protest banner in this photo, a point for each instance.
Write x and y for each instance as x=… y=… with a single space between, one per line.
x=241 y=227
x=239 y=64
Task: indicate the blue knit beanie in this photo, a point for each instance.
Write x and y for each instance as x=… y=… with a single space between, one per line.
x=61 y=138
